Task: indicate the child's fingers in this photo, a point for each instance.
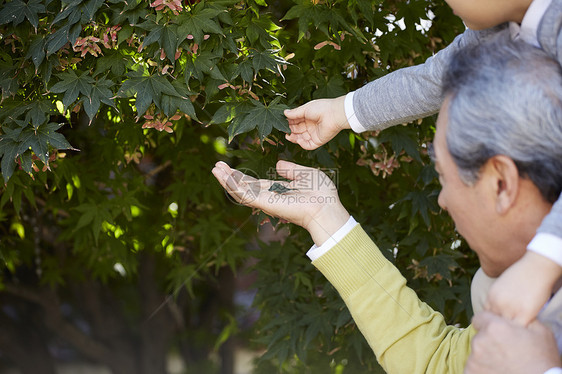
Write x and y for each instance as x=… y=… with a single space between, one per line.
x=298 y=128
x=295 y=113
x=482 y=320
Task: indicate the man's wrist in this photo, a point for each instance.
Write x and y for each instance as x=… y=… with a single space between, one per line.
x=323 y=227
x=315 y=252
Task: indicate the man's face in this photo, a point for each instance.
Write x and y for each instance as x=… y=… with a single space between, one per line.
x=472 y=207
x=482 y=14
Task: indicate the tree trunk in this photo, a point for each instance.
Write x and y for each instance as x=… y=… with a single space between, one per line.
x=157 y=325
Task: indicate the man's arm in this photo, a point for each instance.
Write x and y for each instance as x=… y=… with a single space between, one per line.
x=406 y=335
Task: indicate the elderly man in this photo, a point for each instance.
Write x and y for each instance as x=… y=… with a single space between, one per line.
x=498 y=152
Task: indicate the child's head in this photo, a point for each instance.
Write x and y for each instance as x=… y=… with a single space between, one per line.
x=481 y=14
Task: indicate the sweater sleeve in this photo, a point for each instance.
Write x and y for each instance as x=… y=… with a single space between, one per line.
x=548 y=241
x=552 y=224
x=406 y=335
x=413 y=92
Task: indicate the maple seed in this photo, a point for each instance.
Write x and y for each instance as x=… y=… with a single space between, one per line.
x=279 y=188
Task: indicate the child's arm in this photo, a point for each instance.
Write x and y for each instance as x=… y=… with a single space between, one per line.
x=501 y=346
x=523 y=289
x=413 y=92
x=399 y=97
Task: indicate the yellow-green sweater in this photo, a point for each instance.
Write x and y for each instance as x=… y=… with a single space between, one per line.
x=407 y=336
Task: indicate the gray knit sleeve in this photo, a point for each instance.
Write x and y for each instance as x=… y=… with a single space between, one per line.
x=413 y=92
x=552 y=224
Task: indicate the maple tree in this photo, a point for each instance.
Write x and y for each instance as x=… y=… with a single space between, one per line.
x=117 y=243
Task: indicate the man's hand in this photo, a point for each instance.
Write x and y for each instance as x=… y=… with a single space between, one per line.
x=309 y=200
x=523 y=289
x=316 y=122
x=502 y=346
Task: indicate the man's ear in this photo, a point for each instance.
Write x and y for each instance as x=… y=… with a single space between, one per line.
x=505 y=179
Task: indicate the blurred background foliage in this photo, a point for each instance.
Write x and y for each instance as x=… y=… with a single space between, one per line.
x=118 y=247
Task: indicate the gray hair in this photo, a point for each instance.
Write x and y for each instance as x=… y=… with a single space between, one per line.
x=506 y=99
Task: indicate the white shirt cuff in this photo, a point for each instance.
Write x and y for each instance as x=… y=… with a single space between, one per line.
x=554 y=371
x=531 y=21
x=350 y=114
x=547 y=245
x=315 y=252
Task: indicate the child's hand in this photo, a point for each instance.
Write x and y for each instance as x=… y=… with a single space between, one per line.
x=310 y=200
x=502 y=346
x=316 y=122
x=523 y=289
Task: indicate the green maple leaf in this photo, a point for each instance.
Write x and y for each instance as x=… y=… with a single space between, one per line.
x=36 y=52
x=9 y=151
x=440 y=264
x=26 y=162
x=89 y=9
x=401 y=140
x=38 y=111
x=130 y=13
x=12 y=12
x=171 y=103
x=366 y=8
x=148 y=89
x=57 y=40
x=169 y=41
x=165 y=35
x=39 y=140
x=15 y=11
x=423 y=204
x=93 y=215
x=332 y=87
x=75 y=13
x=266 y=60
x=100 y=94
x=71 y=11
x=224 y=114
x=8 y=84
x=262 y=117
x=113 y=61
x=302 y=12
x=73 y=85
x=198 y=23
x=245 y=70
x=205 y=63
x=79 y=11
x=155 y=32
x=261 y=29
